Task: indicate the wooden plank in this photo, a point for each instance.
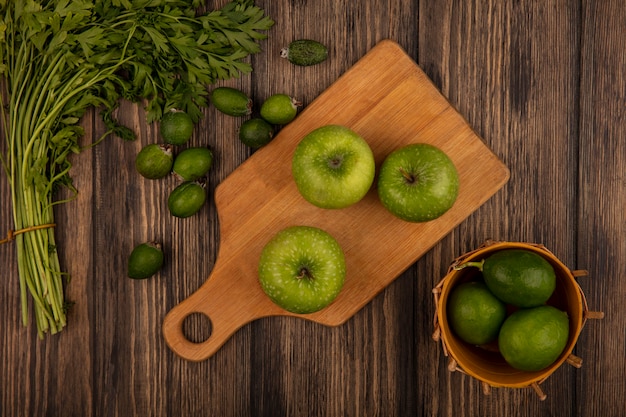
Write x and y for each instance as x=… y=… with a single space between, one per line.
x=601 y=222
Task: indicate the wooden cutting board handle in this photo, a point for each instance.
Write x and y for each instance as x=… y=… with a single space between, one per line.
x=220 y=300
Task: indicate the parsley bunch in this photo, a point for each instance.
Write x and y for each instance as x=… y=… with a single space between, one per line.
x=175 y=54
x=60 y=58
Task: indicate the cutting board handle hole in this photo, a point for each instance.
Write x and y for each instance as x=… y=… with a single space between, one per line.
x=197 y=327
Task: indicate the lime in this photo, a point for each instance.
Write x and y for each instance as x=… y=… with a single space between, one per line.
x=532 y=339
x=279 y=109
x=154 y=161
x=474 y=313
x=519 y=277
x=176 y=127
x=256 y=132
x=145 y=260
x=193 y=163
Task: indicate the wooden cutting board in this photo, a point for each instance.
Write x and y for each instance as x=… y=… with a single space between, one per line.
x=387 y=99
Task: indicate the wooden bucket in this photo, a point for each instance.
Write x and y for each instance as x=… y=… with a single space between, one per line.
x=485 y=363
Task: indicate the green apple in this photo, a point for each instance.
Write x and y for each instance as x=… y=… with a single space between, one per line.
x=302 y=269
x=333 y=167
x=418 y=182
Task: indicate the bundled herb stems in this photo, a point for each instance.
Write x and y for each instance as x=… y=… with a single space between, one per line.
x=60 y=58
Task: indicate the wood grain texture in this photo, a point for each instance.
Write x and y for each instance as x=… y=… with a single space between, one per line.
x=542 y=82
x=601 y=213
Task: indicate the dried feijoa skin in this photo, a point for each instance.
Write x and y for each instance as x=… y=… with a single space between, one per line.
x=256 y=132
x=145 y=260
x=193 y=163
x=279 y=109
x=187 y=199
x=305 y=52
x=154 y=161
x=231 y=101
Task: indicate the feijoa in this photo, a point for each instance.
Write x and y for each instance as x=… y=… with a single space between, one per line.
x=187 y=199
x=305 y=52
x=154 y=161
x=176 y=127
x=231 y=101
x=279 y=109
x=193 y=163
x=256 y=132
x=145 y=260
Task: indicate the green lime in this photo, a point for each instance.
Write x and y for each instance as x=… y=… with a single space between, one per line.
x=279 y=109
x=186 y=199
x=193 y=163
x=474 y=313
x=145 y=260
x=231 y=101
x=519 y=277
x=176 y=127
x=256 y=133
x=154 y=161
x=532 y=339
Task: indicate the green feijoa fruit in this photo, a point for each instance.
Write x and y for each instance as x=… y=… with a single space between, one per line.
x=145 y=260
x=231 y=101
x=176 y=127
x=279 y=109
x=154 y=161
x=186 y=199
x=193 y=163
x=256 y=132
x=305 y=52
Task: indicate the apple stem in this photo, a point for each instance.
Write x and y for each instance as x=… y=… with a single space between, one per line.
x=477 y=264
x=410 y=178
x=304 y=273
x=335 y=162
